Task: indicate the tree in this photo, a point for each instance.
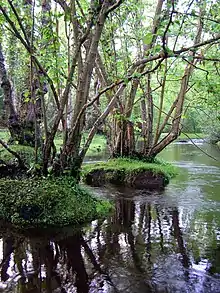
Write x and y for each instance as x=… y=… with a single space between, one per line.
x=109 y=46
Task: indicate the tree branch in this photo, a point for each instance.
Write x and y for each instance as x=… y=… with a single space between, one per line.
x=19 y=22
x=114 y=6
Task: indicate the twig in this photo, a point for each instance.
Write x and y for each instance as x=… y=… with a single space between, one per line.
x=192 y=140
x=210 y=156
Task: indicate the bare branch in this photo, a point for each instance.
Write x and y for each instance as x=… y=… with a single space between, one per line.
x=196 y=15
x=191 y=63
x=164 y=43
x=198 y=45
x=114 y=6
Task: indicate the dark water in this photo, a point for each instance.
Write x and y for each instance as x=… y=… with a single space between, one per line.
x=153 y=242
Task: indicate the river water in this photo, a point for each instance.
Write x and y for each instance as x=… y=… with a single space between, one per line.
x=167 y=241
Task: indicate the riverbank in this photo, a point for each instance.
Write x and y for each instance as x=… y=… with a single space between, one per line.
x=48 y=202
x=129 y=172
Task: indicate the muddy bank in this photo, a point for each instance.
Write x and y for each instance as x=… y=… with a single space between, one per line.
x=141 y=180
x=129 y=172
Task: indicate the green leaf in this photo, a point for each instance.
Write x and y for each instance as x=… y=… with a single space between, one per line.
x=27 y=100
x=157 y=48
x=148 y=39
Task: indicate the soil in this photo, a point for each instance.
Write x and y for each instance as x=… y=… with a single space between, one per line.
x=139 y=180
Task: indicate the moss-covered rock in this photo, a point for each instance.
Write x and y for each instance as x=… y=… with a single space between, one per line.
x=129 y=172
x=48 y=202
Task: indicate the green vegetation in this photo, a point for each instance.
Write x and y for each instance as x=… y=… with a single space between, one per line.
x=98 y=144
x=4 y=134
x=48 y=202
x=131 y=166
x=27 y=153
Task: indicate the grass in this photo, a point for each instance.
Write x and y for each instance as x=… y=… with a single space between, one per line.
x=4 y=134
x=48 y=202
x=130 y=166
x=97 y=146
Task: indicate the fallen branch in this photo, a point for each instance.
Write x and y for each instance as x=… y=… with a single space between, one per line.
x=15 y=154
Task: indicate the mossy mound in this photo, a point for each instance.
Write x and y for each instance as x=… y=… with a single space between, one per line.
x=48 y=202
x=129 y=172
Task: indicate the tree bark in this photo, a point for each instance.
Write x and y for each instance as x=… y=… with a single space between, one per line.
x=9 y=115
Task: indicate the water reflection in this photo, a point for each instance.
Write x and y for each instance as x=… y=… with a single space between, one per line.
x=153 y=242
x=140 y=248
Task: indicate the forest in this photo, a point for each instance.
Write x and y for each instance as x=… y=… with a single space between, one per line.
x=78 y=76
x=109 y=146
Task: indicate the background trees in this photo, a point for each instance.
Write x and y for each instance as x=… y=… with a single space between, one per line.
x=140 y=65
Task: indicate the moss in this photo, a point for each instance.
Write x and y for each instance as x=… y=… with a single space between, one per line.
x=4 y=134
x=48 y=202
x=129 y=166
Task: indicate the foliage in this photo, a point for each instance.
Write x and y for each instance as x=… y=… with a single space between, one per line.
x=48 y=202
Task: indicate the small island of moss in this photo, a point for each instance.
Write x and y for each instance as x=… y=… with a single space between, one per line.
x=48 y=202
x=129 y=172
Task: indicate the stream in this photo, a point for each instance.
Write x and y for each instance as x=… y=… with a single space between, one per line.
x=161 y=242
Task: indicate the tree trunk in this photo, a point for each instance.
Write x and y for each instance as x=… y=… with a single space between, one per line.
x=9 y=115
x=71 y=150
x=124 y=144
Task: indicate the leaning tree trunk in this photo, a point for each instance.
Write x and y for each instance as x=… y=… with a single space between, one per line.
x=70 y=153
x=178 y=105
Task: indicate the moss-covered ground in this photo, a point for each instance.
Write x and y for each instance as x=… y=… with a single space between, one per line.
x=48 y=202
x=131 y=166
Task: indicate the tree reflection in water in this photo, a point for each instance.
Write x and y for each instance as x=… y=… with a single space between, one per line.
x=140 y=248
